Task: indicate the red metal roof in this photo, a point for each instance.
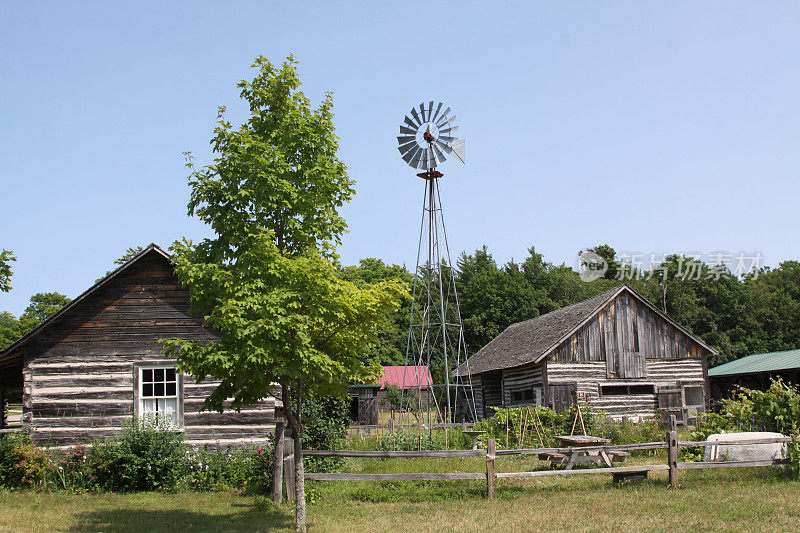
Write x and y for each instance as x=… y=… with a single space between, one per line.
x=406 y=377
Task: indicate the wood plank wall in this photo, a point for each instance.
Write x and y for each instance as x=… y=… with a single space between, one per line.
x=589 y=376
x=524 y=377
x=627 y=325
x=78 y=374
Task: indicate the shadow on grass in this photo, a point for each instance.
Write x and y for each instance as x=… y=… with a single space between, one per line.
x=258 y=516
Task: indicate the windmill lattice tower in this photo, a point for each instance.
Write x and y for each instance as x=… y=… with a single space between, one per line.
x=436 y=332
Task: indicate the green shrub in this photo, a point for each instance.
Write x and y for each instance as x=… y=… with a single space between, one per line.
x=776 y=409
x=146 y=457
x=325 y=423
x=74 y=471
x=10 y=458
x=214 y=468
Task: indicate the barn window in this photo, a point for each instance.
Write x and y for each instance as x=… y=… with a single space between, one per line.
x=625 y=390
x=159 y=394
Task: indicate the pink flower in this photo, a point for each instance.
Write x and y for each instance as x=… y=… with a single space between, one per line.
x=261 y=450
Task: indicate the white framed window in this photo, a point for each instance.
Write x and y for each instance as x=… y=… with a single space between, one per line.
x=159 y=394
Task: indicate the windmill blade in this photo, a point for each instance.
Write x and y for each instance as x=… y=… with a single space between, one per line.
x=459 y=148
x=448 y=121
x=451 y=129
x=416 y=118
x=408 y=131
x=444 y=146
x=411 y=123
x=441 y=119
x=422 y=112
x=406 y=147
x=411 y=154
x=439 y=155
x=406 y=138
x=415 y=160
x=430 y=110
x=445 y=139
x=436 y=114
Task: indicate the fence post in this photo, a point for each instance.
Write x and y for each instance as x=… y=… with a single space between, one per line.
x=277 y=467
x=490 y=478
x=288 y=467
x=672 y=451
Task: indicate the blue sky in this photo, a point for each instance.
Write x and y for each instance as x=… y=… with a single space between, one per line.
x=652 y=126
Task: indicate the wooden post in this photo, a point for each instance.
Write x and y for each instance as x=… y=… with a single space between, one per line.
x=288 y=468
x=672 y=451
x=490 y=476
x=277 y=468
x=2 y=408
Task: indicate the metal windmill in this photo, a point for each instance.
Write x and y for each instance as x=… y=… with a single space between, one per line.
x=435 y=333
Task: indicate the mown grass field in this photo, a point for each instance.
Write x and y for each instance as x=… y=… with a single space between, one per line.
x=750 y=499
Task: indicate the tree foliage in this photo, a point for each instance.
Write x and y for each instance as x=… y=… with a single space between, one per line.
x=6 y=258
x=266 y=281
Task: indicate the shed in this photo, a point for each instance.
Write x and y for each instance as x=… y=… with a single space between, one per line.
x=755 y=372
x=364 y=404
x=98 y=363
x=616 y=350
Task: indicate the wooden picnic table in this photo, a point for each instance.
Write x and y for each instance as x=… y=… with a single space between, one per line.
x=578 y=456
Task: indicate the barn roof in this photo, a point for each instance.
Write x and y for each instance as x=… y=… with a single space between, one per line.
x=406 y=377
x=532 y=340
x=152 y=248
x=756 y=363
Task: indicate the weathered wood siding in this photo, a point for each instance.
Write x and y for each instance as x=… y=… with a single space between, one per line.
x=79 y=372
x=589 y=376
x=524 y=377
x=626 y=325
x=492 y=387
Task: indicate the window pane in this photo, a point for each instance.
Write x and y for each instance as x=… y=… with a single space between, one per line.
x=694 y=395
x=158 y=389
x=147 y=390
x=147 y=376
x=158 y=374
x=170 y=374
x=171 y=389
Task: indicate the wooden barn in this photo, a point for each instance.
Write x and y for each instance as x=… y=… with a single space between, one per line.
x=616 y=350
x=755 y=372
x=98 y=362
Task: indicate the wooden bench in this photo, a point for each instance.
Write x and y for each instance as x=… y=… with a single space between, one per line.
x=638 y=474
x=618 y=456
x=554 y=458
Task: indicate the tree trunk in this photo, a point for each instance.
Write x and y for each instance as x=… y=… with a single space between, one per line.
x=299 y=485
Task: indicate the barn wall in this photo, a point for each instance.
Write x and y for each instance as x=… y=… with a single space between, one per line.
x=79 y=373
x=525 y=377
x=627 y=325
x=589 y=375
x=492 y=387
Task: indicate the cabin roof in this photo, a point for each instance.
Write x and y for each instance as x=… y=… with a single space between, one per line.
x=532 y=340
x=406 y=377
x=756 y=363
x=150 y=249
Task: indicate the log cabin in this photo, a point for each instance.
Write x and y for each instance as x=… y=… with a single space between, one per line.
x=98 y=362
x=615 y=351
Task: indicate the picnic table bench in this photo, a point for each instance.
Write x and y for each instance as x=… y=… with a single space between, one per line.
x=578 y=456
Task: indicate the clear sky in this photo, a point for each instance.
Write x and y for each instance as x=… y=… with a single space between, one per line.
x=651 y=126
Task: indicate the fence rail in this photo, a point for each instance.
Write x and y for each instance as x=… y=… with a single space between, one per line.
x=672 y=445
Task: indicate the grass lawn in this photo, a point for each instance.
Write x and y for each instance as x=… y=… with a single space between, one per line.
x=750 y=499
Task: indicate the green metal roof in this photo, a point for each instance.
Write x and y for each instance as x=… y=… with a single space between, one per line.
x=761 y=362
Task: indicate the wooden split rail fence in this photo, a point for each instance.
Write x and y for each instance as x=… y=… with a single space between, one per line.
x=672 y=445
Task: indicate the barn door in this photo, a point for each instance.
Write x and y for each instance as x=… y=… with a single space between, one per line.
x=367 y=411
x=670 y=402
x=561 y=396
